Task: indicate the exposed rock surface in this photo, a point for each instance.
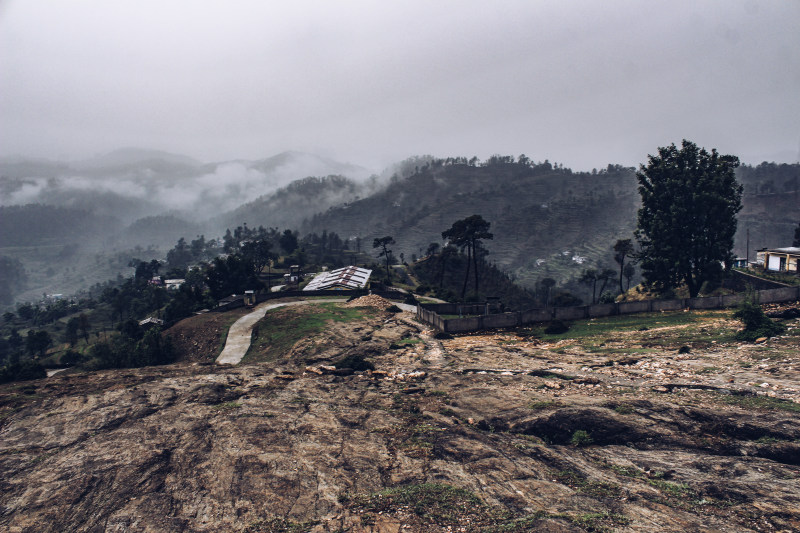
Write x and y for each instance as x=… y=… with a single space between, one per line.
x=466 y=434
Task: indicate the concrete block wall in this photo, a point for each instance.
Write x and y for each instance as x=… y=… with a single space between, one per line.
x=626 y=308
x=536 y=315
x=598 y=310
x=571 y=313
x=779 y=295
x=505 y=320
x=667 y=305
x=531 y=316
x=712 y=302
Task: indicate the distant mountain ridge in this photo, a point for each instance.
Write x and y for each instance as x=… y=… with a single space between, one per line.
x=292 y=205
x=133 y=183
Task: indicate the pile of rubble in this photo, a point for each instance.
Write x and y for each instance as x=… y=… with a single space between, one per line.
x=370 y=300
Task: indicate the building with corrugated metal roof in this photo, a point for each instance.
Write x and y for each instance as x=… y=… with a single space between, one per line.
x=349 y=277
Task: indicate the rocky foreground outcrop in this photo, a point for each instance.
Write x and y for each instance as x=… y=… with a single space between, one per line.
x=428 y=442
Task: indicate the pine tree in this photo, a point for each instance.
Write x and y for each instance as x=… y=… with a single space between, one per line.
x=687 y=221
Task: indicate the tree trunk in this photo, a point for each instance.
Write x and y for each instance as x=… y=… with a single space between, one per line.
x=475 y=262
x=466 y=276
x=388 y=272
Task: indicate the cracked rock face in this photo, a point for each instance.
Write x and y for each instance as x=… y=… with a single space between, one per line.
x=465 y=445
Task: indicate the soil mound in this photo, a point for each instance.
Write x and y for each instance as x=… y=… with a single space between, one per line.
x=370 y=300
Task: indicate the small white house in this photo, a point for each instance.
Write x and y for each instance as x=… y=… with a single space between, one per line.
x=782 y=259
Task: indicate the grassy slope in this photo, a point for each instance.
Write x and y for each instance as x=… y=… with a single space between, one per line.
x=276 y=333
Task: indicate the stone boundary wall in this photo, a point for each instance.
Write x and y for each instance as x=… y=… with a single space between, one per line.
x=429 y=313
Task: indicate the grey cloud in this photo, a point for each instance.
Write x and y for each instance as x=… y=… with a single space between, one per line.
x=583 y=83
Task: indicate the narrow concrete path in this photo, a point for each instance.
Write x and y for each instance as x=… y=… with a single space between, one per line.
x=238 y=341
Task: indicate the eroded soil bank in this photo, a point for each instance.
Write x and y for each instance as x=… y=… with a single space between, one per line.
x=500 y=432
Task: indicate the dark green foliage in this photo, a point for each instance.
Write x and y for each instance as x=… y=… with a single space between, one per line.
x=84 y=325
x=26 y=311
x=622 y=248
x=185 y=301
x=288 y=241
x=130 y=328
x=581 y=438
x=23 y=371
x=231 y=275
x=422 y=289
x=71 y=333
x=125 y=352
x=70 y=357
x=607 y=298
x=258 y=253
x=355 y=362
x=687 y=221
x=593 y=276
x=180 y=256
x=37 y=342
x=684 y=349
x=556 y=327
x=394 y=309
x=467 y=233
x=756 y=323
x=383 y=243
x=448 y=281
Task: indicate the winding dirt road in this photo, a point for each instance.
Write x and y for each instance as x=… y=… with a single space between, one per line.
x=238 y=341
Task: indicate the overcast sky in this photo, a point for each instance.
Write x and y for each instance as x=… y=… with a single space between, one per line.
x=581 y=83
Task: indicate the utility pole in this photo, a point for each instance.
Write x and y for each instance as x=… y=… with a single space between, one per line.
x=747 y=257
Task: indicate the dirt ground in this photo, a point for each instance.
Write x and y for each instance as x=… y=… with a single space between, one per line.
x=200 y=338
x=604 y=428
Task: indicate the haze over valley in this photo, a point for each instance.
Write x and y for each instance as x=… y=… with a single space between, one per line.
x=82 y=219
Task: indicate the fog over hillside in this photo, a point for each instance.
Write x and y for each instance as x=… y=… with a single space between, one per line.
x=130 y=184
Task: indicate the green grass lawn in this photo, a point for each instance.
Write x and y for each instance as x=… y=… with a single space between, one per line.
x=595 y=334
x=279 y=330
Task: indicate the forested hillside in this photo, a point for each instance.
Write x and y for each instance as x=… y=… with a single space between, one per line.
x=771 y=203
x=289 y=206
x=547 y=220
x=36 y=224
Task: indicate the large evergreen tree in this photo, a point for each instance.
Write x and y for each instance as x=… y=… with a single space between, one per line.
x=383 y=243
x=467 y=233
x=687 y=221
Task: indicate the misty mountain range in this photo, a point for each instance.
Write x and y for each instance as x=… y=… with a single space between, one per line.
x=548 y=221
x=130 y=184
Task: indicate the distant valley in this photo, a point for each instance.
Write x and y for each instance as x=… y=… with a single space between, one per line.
x=74 y=224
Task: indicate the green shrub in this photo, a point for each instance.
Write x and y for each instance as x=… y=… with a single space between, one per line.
x=556 y=327
x=22 y=371
x=581 y=438
x=354 y=361
x=756 y=323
